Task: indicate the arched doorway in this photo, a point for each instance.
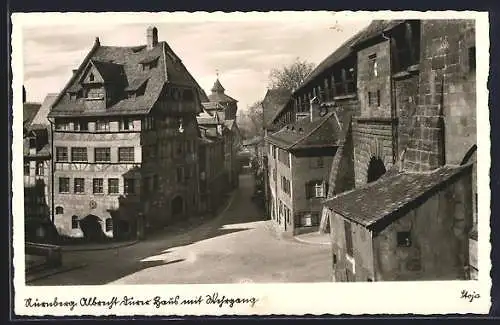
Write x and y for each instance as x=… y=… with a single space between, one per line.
x=376 y=169
x=177 y=206
x=91 y=228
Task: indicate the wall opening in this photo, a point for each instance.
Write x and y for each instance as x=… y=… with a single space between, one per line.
x=91 y=228
x=177 y=206
x=376 y=169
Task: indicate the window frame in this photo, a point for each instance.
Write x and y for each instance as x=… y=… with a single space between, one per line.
x=81 y=186
x=113 y=186
x=84 y=153
x=106 y=150
x=60 y=184
x=98 y=185
x=62 y=152
x=126 y=152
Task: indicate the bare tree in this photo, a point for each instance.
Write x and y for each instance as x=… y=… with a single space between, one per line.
x=290 y=76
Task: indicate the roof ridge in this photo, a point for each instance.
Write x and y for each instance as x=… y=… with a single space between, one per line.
x=312 y=131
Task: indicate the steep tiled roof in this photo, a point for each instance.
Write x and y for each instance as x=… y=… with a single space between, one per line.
x=273 y=102
x=217 y=87
x=375 y=28
x=29 y=112
x=221 y=98
x=327 y=131
x=117 y=64
x=376 y=201
x=41 y=116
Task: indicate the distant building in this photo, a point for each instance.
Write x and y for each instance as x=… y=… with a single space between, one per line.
x=226 y=107
x=125 y=142
x=213 y=175
x=273 y=107
x=36 y=170
x=299 y=160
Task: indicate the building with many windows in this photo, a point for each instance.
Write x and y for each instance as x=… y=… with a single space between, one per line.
x=299 y=159
x=125 y=141
x=225 y=108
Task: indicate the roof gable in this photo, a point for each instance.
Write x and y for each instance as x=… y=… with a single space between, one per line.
x=128 y=69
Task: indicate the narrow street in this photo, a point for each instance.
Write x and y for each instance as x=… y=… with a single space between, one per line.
x=236 y=246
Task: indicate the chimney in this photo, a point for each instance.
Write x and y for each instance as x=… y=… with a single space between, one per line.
x=74 y=71
x=97 y=42
x=152 y=37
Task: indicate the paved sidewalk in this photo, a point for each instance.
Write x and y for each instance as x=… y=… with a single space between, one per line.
x=314 y=238
x=97 y=246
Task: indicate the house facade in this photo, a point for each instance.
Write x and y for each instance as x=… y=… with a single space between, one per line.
x=412 y=213
x=299 y=159
x=226 y=107
x=125 y=142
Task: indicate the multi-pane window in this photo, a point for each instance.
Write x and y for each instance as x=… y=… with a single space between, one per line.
x=63 y=184
x=113 y=186
x=26 y=168
x=61 y=154
x=98 y=185
x=126 y=124
x=81 y=125
x=79 y=154
x=79 y=185
x=102 y=126
x=348 y=238
x=129 y=186
x=62 y=125
x=109 y=224
x=102 y=154
x=74 y=222
x=126 y=154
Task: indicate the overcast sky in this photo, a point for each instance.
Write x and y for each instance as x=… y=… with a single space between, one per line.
x=242 y=51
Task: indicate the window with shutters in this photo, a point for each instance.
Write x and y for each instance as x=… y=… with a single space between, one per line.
x=348 y=238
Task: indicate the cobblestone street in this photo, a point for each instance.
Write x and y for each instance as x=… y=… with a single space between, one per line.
x=236 y=246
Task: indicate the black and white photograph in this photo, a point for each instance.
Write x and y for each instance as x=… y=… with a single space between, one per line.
x=251 y=163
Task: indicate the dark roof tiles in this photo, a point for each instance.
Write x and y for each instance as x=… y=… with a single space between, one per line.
x=375 y=201
x=274 y=101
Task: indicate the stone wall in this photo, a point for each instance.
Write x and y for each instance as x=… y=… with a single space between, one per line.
x=447 y=88
x=439 y=238
x=373 y=128
x=360 y=265
x=406 y=101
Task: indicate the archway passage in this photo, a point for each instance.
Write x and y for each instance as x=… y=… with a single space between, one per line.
x=91 y=228
x=376 y=169
x=177 y=206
